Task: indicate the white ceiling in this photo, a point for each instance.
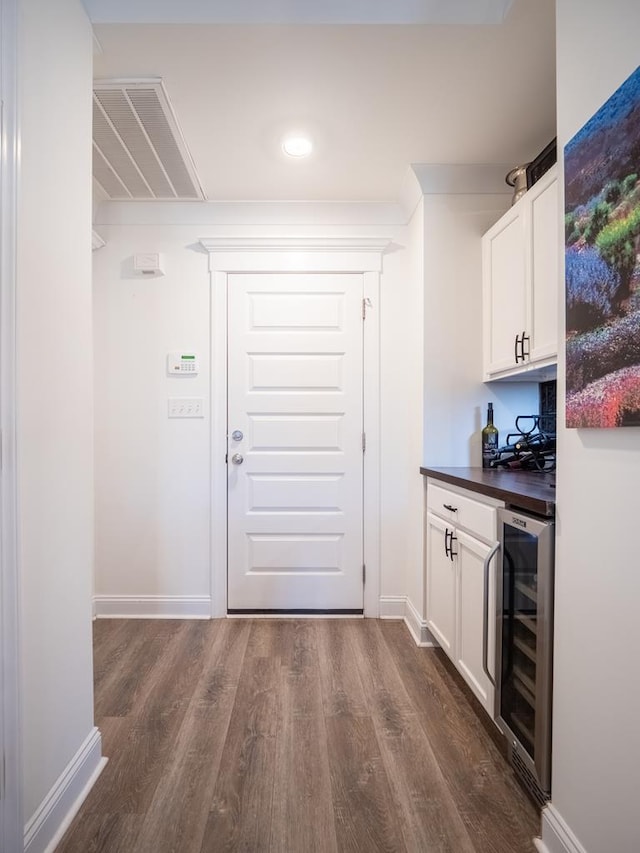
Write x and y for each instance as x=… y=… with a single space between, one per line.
x=375 y=99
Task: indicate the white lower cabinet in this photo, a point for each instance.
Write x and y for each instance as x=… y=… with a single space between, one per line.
x=441 y=585
x=455 y=564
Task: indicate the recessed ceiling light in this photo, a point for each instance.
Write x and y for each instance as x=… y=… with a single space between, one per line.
x=297 y=146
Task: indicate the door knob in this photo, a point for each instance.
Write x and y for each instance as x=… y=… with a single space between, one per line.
x=237 y=458
x=237 y=435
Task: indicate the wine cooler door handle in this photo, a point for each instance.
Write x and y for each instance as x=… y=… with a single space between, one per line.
x=485 y=614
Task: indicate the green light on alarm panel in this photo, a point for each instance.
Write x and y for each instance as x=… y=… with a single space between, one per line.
x=187 y=357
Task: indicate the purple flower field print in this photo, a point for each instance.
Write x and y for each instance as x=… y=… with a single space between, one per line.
x=602 y=269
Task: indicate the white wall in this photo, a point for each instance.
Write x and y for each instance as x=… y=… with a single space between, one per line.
x=596 y=736
x=11 y=823
x=152 y=473
x=401 y=417
x=407 y=414
x=54 y=374
x=455 y=397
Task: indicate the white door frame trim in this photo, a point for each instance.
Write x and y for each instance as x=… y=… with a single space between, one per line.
x=12 y=830
x=361 y=255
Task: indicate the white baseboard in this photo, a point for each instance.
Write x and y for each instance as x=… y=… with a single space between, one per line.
x=418 y=627
x=52 y=819
x=392 y=606
x=152 y=606
x=557 y=835
x=400 y=607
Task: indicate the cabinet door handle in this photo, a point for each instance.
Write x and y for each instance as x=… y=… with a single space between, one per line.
x=450 y=508
x=452 y=553
x=485 y=614
x=518 y=348
x=448 y=546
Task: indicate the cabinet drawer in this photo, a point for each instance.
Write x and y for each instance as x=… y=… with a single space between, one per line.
x=473 y=515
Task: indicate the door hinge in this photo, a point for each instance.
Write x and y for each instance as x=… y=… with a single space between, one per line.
x=366 y=303
x=364 y=573
x=364 y=441
x=226 y=458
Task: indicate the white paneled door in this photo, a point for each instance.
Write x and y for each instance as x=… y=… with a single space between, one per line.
x=295 y=446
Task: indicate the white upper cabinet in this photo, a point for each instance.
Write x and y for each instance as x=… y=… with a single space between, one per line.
x=520 y=284
x=543 y=257
x=504 y=295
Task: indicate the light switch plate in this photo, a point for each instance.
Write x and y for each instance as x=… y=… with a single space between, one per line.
x=186 y=407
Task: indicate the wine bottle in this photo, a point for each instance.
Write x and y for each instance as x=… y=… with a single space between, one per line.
x=489 y=439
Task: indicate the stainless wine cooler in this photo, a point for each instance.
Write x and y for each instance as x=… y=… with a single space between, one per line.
x=524 y=645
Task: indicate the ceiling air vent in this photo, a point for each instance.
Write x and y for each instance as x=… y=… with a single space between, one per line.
x=138 y=150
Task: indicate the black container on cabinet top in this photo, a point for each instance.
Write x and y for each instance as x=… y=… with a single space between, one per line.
x=542 y=163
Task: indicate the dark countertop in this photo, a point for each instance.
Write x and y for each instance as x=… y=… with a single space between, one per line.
x=529 y=490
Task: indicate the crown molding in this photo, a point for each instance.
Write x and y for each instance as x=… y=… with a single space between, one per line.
x=210 y=216
x=295 y=244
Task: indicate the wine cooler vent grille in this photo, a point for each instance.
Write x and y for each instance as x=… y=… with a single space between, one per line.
x=527 y=778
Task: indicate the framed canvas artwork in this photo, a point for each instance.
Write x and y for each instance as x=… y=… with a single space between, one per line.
x=602 y=273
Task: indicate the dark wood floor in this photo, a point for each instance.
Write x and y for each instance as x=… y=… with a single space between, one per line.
x=290 y=736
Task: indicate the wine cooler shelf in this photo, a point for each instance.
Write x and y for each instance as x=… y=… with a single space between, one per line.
x=526 y=646
x=527 y=590
x=527 y=621
x=524 y=726
x=526 y=692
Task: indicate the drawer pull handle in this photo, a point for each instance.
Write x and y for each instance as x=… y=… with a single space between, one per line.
x=450 y=508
